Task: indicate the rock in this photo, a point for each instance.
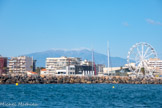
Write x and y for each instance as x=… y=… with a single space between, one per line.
x=88 y=82
x=77 y=79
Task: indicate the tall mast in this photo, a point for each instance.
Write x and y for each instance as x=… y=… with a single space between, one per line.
x=93 y=64
x=108 y=57
x=92 y=61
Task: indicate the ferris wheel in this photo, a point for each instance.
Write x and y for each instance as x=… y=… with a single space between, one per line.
x=138 y=58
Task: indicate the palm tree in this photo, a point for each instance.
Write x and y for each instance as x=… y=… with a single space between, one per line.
x=143 y=70
x=31 y=67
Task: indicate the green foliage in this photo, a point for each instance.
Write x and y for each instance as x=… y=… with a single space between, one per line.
x=121 y=73
x=143 y=70
x=39 y=69
x=121 y=67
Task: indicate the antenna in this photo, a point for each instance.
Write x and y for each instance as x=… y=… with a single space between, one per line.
x=92 y=60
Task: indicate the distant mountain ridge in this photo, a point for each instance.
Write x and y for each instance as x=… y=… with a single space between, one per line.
x=81 y=53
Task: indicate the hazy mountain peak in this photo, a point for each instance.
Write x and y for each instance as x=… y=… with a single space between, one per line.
x=75 y=49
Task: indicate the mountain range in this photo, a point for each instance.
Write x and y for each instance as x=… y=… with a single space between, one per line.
x=82 y=53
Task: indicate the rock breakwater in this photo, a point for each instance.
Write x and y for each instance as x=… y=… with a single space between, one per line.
x=78 y=79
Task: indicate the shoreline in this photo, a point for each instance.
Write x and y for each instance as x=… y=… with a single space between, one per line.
x=78 y=80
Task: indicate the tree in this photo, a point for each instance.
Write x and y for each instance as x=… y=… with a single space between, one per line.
x=121 y=68
x=143 y=70
x=42 y=67
x=5 y=69
x=38 y=70
x=31 y=67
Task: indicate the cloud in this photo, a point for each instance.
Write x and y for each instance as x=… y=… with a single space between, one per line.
x=150 y=21
x=125 y=24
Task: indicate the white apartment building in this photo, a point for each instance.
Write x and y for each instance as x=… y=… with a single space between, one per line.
x=60 y=63
x=68 y=70
x=155 y=62
x=20 y=64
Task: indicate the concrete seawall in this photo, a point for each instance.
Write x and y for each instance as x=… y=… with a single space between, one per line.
x=78 y=79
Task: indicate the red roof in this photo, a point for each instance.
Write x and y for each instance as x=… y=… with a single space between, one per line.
x=43 y=69
x=33 y=72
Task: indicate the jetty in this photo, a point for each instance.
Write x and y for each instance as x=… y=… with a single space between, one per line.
x=78 y=80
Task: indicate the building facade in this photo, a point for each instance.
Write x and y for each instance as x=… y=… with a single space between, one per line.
x=20 y=64
x=157 y=63
x=68 y=70
x=3 y=65
x=84 y=70
x=115 y=70
x=60 y=63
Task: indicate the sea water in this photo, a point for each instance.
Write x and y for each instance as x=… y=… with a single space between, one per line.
x=80 y=95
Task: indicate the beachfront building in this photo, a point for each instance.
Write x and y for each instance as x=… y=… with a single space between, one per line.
x=20 y=65
x=89 y=70
x=157 y=63
x=56 y=65
x=3 y=65
x=31 y=74
x=83 y=70
x=115 y=70
x=71 y=66
x=43 y=72
x=67 y=70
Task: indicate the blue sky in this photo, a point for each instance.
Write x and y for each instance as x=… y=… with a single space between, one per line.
x=28 y=26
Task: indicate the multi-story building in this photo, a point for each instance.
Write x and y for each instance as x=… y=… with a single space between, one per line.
x=3 y=65
x=157 y=63
x=20 y=64
x=54 y=64
x=71 y=66
x=68 y=70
